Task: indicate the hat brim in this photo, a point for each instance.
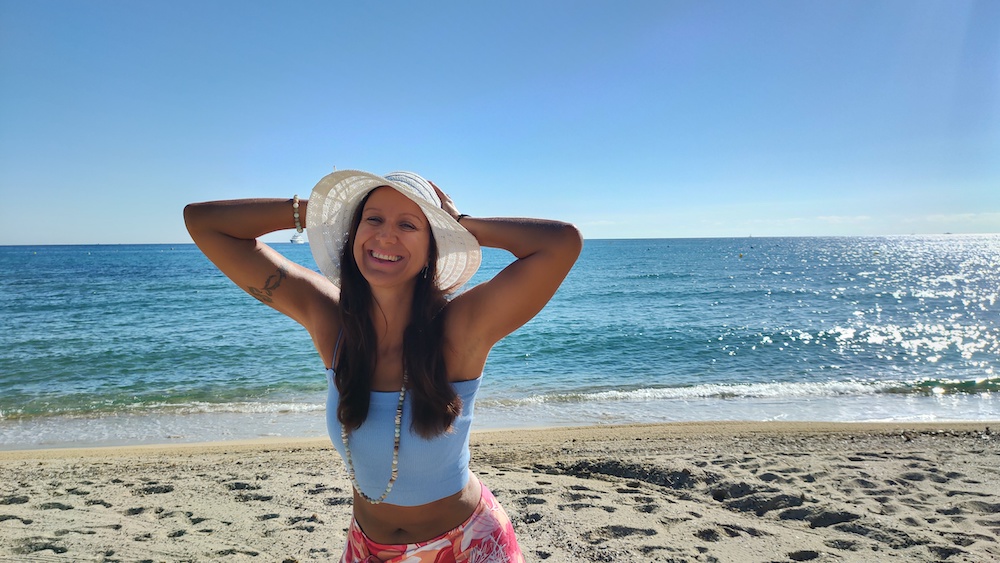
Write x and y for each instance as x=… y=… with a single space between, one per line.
x=335 y=198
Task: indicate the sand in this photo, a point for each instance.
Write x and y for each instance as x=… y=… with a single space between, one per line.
x=741 y=492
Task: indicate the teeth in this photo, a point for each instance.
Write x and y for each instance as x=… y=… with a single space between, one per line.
x=385 y=256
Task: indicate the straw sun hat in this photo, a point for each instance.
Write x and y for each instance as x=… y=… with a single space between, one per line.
x=335 y=198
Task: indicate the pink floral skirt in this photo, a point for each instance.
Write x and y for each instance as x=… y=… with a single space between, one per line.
x=486 y=537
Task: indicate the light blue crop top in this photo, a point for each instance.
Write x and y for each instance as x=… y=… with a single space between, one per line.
x=429 y=470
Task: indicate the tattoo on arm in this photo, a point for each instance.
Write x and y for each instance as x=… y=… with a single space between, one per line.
x=271 y=284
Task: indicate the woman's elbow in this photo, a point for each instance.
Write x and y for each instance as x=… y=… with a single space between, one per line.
x=195 y=217
x=567 y=241
x=572 y=238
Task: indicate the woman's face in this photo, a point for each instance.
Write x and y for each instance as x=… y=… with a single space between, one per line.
x=393 y=238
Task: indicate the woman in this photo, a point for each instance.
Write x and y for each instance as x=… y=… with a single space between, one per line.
x=403 y=362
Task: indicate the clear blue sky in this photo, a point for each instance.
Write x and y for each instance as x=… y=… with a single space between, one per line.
x=631 y=119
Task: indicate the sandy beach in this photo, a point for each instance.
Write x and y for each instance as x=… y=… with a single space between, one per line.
x=742 y=492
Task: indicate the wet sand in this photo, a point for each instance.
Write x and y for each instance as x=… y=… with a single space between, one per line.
x=742 y=492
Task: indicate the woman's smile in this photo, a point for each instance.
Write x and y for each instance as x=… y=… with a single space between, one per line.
x=385 y=257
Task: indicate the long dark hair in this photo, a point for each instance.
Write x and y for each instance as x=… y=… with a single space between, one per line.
x=435 y=404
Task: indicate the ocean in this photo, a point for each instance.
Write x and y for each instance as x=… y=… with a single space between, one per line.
x=141 y=344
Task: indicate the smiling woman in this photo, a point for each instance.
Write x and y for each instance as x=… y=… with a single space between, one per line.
x=403 y=361
x=393 y=238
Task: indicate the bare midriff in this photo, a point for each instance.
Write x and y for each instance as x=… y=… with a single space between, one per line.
x=393 y=524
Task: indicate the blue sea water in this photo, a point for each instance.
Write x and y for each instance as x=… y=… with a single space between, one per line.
x=126 y=344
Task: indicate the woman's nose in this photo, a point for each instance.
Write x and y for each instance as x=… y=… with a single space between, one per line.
x=385 y=234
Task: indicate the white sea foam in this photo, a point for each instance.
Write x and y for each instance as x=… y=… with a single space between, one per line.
x=836 y=403
x=711 y=391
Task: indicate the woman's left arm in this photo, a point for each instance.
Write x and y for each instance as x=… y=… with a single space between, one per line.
x=545 y=251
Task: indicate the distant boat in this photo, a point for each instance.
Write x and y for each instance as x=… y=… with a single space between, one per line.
x=297 y=238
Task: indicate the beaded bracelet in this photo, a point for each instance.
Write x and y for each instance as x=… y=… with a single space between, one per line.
x=295 y=212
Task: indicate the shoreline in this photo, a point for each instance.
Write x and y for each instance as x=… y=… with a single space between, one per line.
x=532 y=435
x=690 y=491
x=169 y=428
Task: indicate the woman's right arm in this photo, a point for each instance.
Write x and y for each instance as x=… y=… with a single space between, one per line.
x=227 y=232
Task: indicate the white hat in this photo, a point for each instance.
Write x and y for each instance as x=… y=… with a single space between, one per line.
x=336 y=197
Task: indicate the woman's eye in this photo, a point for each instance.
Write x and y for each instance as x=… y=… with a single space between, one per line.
x=408 y=226
x=373 y=220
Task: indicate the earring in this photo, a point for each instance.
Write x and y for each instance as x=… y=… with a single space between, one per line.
x=424 y=272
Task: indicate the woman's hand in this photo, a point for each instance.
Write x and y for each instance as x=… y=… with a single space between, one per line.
x=446 y=203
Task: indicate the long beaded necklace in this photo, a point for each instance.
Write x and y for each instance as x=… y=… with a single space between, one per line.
x=395 y=452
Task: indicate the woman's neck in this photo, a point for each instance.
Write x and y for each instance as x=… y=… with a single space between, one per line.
x=391 y=314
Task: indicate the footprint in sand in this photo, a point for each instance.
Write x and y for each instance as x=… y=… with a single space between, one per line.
x=577 y=506
x=944 y=552
x=271 y=516
x=314 y=519
x=818 y=518
x=154 y=490
x=253 y=497
x=982 y=507
x=863 y=483
x=297 y=522
x=579 y=496
x=894 y=539
x=730 y=530
x=531 y=500
x=321 y=489
x=708 y=534
x=237 y=552
x=769 y=477
x=185 y=515
x=241 y=486
x=35 y=545
x=643 y=502
x=531 y=518
x=736 y=490
x=965 y=540
x=762 y=503
x=606 y=533
x=845 y=545
x=5 y=517
x=647 y=508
